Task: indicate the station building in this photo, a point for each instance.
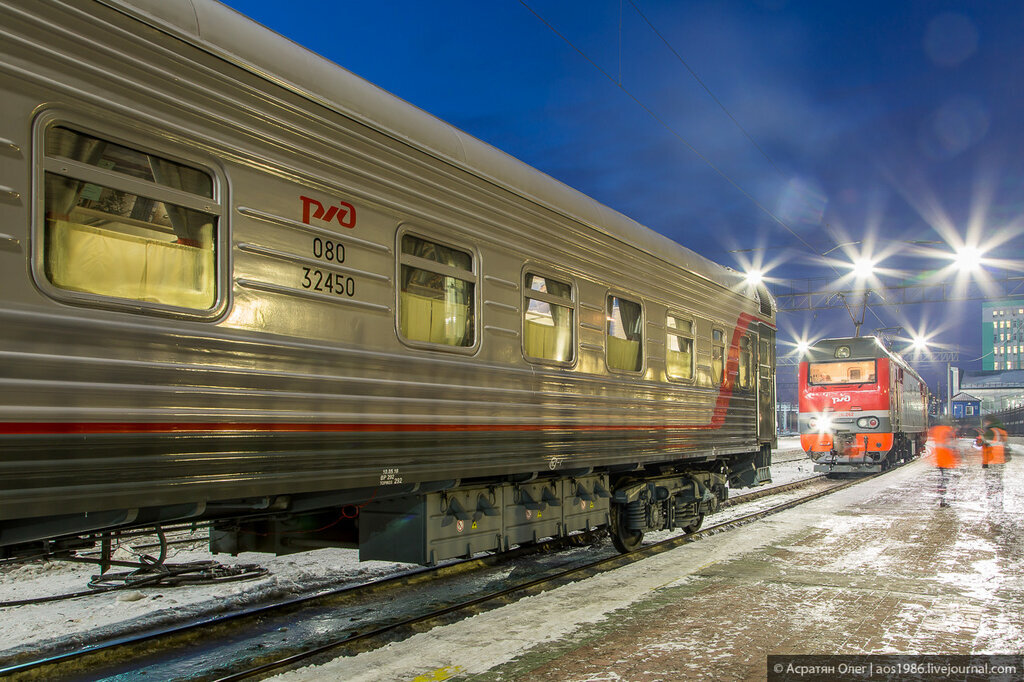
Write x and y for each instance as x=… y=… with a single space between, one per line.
x=1002 y=334
x=997 y=390
x=965 y=406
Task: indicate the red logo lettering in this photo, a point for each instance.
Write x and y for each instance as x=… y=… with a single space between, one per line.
x=344 y=212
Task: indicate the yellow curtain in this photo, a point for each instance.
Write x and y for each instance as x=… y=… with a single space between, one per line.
x=623 y=354
x=109 y=263
x=433 y=320
x=679 y=364
x=548 y=341
x=744 y=369
x=717 y=364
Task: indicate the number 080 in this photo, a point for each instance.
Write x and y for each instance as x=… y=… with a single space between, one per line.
x=328 y=250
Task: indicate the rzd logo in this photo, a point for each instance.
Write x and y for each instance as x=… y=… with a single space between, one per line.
x=840 y=399
x=344 y=212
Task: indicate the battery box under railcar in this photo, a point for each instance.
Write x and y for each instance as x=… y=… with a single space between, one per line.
x=427 y=528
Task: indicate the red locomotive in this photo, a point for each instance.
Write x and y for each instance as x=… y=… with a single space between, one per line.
x=862 y=407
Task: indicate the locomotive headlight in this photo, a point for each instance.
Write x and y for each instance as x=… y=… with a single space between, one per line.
x=868 y=422
x=822 y=423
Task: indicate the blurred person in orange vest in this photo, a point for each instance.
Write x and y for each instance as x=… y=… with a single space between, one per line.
x=993 y=456
x=993 y=442
x=941 y=436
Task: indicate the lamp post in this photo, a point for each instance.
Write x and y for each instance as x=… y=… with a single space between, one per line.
x=949 y=391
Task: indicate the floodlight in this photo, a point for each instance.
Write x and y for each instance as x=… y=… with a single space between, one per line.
x=967 y=258
x=863 y=268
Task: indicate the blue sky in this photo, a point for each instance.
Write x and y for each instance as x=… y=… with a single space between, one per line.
x=847 y=122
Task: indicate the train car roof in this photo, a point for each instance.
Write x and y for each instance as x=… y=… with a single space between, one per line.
x=240 y=40
x=823 y=350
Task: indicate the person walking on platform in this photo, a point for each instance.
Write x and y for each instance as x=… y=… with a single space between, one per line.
x=993 y=457
x=942 y=436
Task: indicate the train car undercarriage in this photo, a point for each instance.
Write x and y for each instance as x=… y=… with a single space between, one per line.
x=443 y=519
x=465 y=519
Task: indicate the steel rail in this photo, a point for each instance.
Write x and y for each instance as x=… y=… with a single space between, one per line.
x=80 y=662
x=551 y=581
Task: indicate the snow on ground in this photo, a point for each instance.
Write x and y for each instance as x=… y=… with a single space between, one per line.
x=484 y=641
x=920 y=594
x=118 y=610
x=481 y=643
x=75 y=619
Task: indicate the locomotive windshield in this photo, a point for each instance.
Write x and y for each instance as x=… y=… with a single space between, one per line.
x=844 y=372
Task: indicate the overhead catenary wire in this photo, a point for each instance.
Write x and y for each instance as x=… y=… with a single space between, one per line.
x=672 y=131
x=732 y=118
x=701 y=83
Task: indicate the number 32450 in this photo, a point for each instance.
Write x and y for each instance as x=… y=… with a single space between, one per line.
x=331 y=282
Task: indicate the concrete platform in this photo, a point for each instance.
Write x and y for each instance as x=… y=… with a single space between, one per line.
x=894 y=572
x=878 y=568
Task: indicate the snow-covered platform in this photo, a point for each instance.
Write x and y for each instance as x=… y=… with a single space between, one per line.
x=881 y=567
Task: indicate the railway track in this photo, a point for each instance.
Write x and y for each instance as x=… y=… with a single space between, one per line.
x=259 y=641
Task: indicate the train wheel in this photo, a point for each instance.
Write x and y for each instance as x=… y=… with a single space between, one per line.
x=625 y=540
x=695 y=526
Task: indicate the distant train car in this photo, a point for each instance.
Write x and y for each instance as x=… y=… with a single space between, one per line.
x=862 y=407
x=240 y=285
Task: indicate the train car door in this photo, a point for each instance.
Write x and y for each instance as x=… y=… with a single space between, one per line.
x=897 y=396
x=766 y=384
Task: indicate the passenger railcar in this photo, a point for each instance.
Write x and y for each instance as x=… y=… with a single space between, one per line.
x=862 y=407
x=239 y=284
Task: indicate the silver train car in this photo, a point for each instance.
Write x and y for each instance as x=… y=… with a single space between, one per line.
x=242 y=286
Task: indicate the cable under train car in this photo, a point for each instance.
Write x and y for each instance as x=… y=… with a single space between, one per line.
x=240 y=285
x=862 y=407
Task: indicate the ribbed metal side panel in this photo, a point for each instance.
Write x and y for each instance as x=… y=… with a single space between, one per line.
x=288 y=390
x=440 y=420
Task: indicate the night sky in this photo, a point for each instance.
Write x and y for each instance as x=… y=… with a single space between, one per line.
x=760 y=134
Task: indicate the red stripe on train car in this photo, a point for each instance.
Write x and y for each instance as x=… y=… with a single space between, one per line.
x=62 y=428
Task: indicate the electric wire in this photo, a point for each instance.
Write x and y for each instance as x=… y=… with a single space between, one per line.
x=706 y=88
x=732 y=118
x=672 y=131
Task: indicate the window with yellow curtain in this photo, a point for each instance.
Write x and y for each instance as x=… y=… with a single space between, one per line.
x=717 y=356
x=548 y=319
x=127 y=224
x=436 y=293
x=745 y=376
x=625 y=335
x=679 y=358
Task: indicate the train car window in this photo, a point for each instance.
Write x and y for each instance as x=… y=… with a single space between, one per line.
x=127 y=224
x=745 y=369
x=764 y=300
x=717 y=356
x=679 y=359
x=436 y=295
x=625 y=334
x=548 y=319
x=843 y=372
